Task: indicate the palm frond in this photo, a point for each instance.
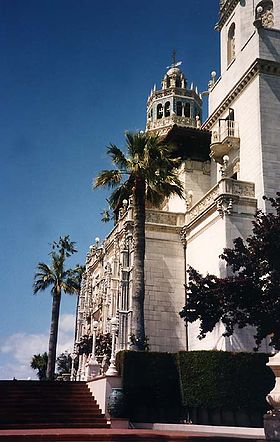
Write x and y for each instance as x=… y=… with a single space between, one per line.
x=136 y=143
x=118 y=157
x=108 y=178
x=43 y=278
x=64 y=246
x=105 y=216
x=122 y=192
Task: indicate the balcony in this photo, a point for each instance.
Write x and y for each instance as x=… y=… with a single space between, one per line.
x=225 y=137
x=222 y=197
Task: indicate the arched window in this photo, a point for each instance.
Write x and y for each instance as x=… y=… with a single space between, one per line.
x=264 y=13
x=167 y=109
x=178 y=82
x=159 y=111
x=231 y=44
x=187 y=110
x=179 y=108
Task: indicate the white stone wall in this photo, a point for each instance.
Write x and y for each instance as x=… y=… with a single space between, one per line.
x=164 y=272
x=243 y=17
x=247 y=114
x=276 y=11
x=206 y=242
x=246 y=52
x=269 y=41
x=270 y=131
x=195 y=176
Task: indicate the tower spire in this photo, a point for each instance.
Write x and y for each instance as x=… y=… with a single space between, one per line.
x=175 y=63
x=174 y=57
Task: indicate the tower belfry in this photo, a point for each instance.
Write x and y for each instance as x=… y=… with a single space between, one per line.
x=174 y=103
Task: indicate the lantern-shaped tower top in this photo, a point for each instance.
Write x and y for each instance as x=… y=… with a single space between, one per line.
x=174 y=103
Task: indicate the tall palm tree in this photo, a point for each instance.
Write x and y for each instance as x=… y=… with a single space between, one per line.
x=149 y=173
x=60 y=280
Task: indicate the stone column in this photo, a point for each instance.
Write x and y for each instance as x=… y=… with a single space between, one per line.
x=93 y=368
x=73 y=376
x=112 y=371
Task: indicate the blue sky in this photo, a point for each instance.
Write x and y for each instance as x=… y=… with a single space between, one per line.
x=75 y=75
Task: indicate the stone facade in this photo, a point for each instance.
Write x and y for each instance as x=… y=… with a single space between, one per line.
x=224 y=180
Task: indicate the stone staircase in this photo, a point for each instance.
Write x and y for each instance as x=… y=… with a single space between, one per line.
x=35 y=404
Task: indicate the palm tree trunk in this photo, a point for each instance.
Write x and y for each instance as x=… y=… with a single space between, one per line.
x=138 y=295
x=53 y=335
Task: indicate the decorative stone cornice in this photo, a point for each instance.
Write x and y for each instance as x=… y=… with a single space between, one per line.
x=226 y=9
x=259 y=66
x=164 y=218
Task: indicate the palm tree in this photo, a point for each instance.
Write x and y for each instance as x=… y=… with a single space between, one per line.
x=60 y=280
x=39 y=362
x=149 y=173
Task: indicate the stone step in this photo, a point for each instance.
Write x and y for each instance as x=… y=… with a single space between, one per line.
x=34 y=404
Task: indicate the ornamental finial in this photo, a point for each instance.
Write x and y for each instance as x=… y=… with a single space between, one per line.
x=175 y=63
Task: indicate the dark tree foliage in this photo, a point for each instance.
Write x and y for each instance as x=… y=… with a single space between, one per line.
x=63 y=363
x=103 y=345
x=39 y=362
x=251 y=296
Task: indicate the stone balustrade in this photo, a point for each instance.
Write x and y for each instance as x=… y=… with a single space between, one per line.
x=169 y=121
x=227 y=188
x=225 y=129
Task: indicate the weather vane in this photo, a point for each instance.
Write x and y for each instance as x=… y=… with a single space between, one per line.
x=175 y=63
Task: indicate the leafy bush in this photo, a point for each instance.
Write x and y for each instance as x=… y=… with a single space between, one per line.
x=163 y=387
x=222 y=379
x=151 y=385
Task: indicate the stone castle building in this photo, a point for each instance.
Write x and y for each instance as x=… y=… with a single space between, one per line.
x=230 y=162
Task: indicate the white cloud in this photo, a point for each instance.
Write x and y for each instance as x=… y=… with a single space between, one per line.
x=22 y=345
x=67 y=323
x=17 y=349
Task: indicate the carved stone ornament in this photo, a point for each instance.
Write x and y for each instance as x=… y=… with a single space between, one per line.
x=183 y=235
x=224 y=206
x=157 y=217
x=273 y=398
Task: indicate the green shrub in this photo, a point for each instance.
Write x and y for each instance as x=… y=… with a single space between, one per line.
x=162 y=387
x=222 y=379
x=151 y=385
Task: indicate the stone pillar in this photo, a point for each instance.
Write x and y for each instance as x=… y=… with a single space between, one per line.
x=112 y=371
x=93 y=368
x=73 y=376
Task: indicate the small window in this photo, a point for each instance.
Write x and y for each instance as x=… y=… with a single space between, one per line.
x=231 y=44
x=187 y=110
x=179 y=108
x=167 y=109
x=159 y=111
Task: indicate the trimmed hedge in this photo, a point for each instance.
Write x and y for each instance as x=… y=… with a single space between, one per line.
x=211 y=387
x=222 y=379
x=151 y=386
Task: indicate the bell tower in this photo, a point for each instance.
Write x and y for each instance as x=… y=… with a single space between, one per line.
x=174 y=103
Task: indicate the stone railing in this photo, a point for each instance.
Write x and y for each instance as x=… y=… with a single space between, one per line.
x=226 y=187
x=225 y=129
x=168 y=121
